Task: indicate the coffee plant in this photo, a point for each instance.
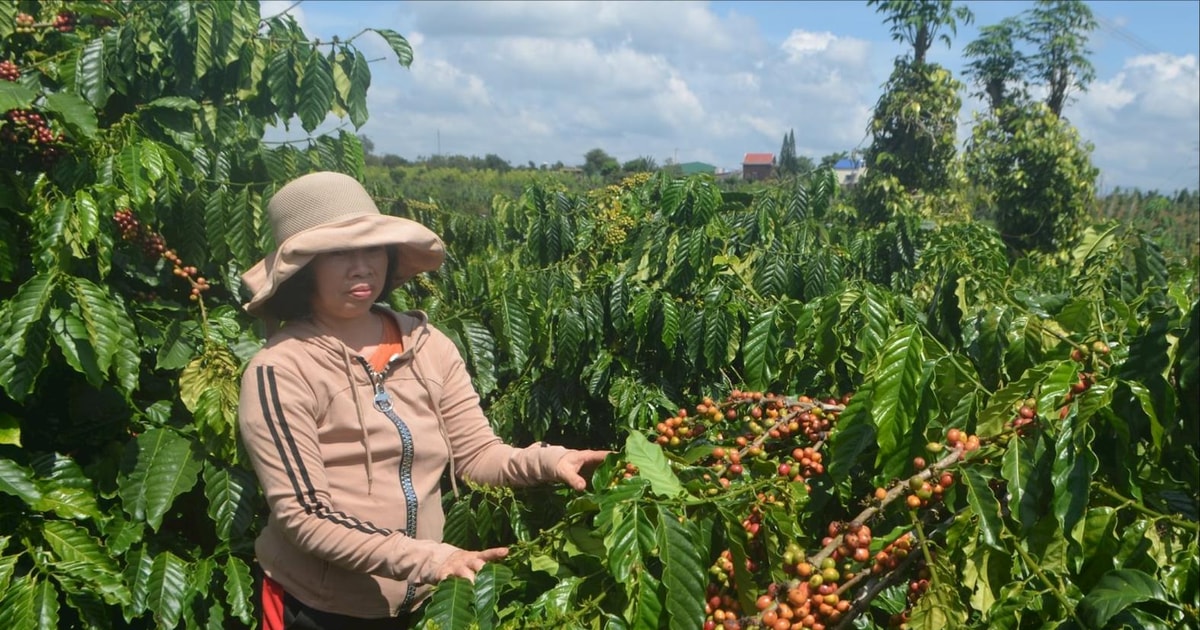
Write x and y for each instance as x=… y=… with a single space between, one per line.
x=815 y=425
x=134 y=170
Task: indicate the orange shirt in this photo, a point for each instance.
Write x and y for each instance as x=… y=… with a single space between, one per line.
x=393 y=343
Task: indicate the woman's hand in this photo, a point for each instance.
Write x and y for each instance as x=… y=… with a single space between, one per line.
x=572 y=466
x=465 y=564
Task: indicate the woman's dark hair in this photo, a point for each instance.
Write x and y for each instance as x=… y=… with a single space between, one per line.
x=293 y=298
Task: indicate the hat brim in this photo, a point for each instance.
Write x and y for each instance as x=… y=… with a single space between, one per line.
x=417 y=248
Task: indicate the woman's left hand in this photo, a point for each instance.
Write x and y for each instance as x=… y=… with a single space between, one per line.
x=572 y=466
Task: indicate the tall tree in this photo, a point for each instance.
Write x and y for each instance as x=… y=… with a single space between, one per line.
x=910 y=165
x=1031 y=167
x=919 y=23
x=914 y=126
x=997 y=66
x=789 y=164
x=1059 y=30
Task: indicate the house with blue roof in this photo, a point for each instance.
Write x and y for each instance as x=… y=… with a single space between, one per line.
x=849 y=171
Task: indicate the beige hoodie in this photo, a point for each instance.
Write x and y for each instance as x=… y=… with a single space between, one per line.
x=351 y=469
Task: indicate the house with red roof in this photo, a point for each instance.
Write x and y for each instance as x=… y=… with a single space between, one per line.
x=758 y=166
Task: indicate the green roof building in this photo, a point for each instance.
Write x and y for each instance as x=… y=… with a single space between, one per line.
x=694 y=168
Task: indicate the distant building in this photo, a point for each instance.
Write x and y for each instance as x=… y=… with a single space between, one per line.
x=695 y=168
x=849 y=171
x=758 y=166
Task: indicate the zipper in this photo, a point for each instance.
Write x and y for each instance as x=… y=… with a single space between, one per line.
x=383 y=404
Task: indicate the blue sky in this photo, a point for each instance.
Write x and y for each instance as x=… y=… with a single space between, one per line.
x=544 y=82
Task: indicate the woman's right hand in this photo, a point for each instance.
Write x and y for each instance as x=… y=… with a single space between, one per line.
x=465 y=564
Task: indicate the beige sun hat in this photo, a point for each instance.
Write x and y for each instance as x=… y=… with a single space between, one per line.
x=325 y=212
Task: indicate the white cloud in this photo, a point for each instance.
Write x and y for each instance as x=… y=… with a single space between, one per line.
x=800 y=44
x=692 y=25
x=447 y=84
x=1144 y=122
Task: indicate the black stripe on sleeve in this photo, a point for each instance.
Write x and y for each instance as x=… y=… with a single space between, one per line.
x=289 y=454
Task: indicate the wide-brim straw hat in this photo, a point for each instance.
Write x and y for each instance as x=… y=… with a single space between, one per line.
x=326 y=212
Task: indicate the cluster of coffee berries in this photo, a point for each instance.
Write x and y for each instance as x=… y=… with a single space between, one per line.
x=924 y=491
x=1026 y=416
x=892 y=554
x=854 y=541
x=24 y=23
x=722 y=569
x=1081 y=385
x=630 y=471
x=808 y=463
x=721 y=608
x=753 y=523
x=128 y=225
x=957 y=438
x=812 y=601
x=64 y=22
x=672 y=431
x=9 y=71
x=153 y=245
x=28 y=126
x=1081 y=353
x=28 y=133
x=916 y=589
x=734 y=458
x=816 y=422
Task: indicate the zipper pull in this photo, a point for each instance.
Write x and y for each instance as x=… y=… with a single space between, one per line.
x=383 y=403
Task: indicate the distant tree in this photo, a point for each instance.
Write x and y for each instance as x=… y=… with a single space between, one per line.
x=1055 y=33
x=392 y=160
x=643 y=164
x=805 y=164
x=493 y=162
x=1059 y=30
x=918 y=22
x=367 y=144
x=460 y=162
x=597 y=162
x=788 y=164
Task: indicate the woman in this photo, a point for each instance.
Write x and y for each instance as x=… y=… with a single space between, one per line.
x=351 y=413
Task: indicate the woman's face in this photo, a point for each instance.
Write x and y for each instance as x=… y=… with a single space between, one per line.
x=347 y=282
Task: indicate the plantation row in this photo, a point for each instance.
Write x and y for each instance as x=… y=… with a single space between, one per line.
x=1011 y=434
